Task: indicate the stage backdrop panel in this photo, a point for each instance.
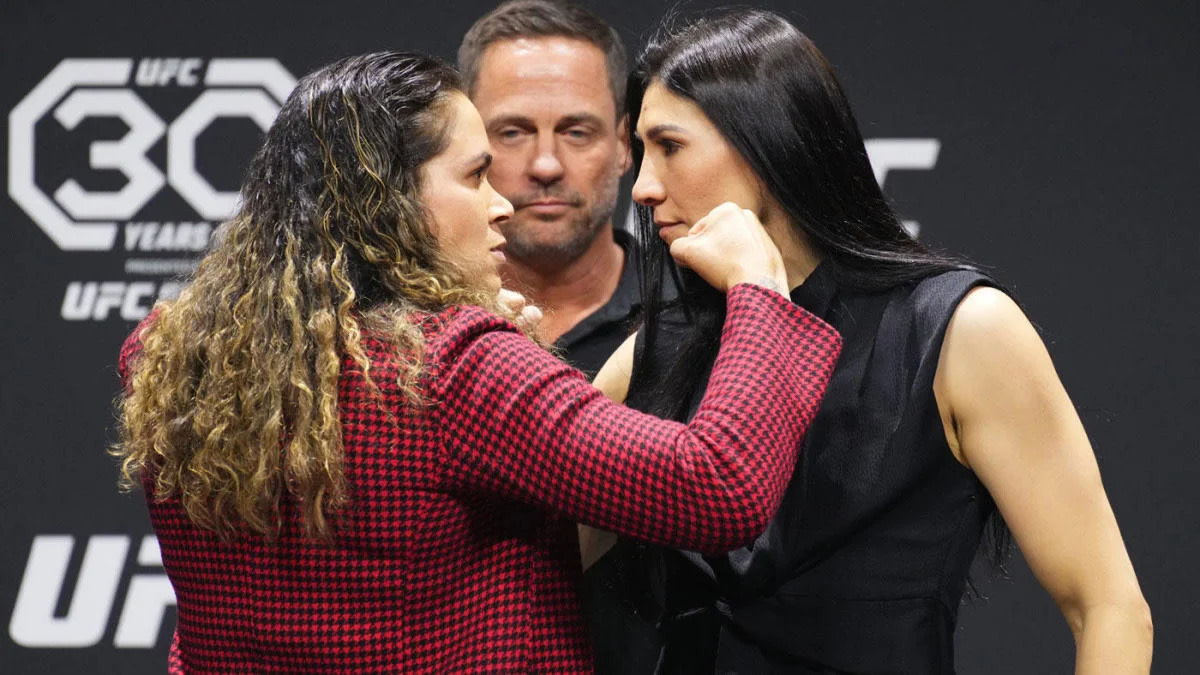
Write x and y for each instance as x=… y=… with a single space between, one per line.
x=1055 y=143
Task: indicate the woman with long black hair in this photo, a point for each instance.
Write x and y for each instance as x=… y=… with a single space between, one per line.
x=944 y=412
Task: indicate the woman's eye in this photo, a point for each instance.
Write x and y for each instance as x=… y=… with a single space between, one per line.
x=669 y=147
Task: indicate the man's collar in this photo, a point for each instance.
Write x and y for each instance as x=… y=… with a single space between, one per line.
x=625 y=300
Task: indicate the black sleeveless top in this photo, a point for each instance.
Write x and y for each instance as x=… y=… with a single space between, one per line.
x=864 y=565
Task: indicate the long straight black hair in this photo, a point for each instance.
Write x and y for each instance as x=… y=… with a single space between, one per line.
x=773 y=96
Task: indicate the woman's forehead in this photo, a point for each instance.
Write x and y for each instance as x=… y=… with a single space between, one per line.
x=465 y=126
x=661 y=106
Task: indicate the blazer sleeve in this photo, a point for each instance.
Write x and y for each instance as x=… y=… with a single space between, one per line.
x=517 y=423
x=131 y=348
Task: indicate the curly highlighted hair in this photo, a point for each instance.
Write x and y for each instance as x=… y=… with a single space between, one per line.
x=233 y=401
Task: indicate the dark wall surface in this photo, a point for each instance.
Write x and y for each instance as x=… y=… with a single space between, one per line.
x=1057 y=143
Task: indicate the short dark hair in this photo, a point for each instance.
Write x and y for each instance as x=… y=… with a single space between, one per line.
x=544 y=18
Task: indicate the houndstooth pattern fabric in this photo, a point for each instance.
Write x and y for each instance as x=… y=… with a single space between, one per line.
x=458 y=551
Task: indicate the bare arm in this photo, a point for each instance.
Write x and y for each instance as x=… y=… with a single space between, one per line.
x=613 y=380
x=1014 y=425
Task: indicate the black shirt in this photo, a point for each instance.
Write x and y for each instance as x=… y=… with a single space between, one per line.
x=590 y=342
x=863 y=567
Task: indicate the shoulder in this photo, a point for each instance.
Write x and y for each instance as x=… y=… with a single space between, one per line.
x=991 y=364
x=990 y=348
x=468 y=331
x=131 y=348
x=433 y=338
x=925 y=306
x=463 y=323
x=944 y=291
x=988 y=318
x=473 y=352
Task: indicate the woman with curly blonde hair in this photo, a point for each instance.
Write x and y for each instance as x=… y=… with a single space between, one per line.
x=353 y=458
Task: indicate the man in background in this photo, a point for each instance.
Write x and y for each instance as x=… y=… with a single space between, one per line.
x=549 y=80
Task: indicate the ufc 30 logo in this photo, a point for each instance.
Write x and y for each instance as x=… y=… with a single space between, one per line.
x=77 y=219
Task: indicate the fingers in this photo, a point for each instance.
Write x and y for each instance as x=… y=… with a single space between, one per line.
x=511 y=300
x=529 y=317
x=728 y=246
x=526 y=315
x=684 y=248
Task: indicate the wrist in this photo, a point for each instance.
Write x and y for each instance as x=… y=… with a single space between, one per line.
x=772 y=284
x=767 y=281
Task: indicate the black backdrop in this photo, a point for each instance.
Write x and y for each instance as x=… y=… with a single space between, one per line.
x=1055 y=142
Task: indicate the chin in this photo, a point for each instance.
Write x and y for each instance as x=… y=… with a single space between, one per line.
x=554 y=232
x=673 y=232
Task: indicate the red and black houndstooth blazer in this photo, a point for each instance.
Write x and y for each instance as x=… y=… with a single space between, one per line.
x=458 y=550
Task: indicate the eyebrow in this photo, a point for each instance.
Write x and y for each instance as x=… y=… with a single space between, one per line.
x=523 y=121
x=658 y=130
x=505 y=120
x=579 y=118
x=485 y=157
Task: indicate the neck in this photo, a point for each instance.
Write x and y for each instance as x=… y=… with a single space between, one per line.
x=570 y=293
x=800 y=258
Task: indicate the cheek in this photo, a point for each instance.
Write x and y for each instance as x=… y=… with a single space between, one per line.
x=716 y=183
x=737 y=189
x=457 y=224
x=449 y=235
x=596 y=163
x=693 y=193
x=480 y=229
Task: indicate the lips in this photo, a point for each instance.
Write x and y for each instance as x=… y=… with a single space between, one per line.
x=547 y=208
x=670 y=231
x=548 y=199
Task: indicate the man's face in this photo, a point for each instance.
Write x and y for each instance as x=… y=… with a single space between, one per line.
x=559 y=152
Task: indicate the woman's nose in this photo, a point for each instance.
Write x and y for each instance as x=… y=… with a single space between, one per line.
x=500 y=209
x=647 y=189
